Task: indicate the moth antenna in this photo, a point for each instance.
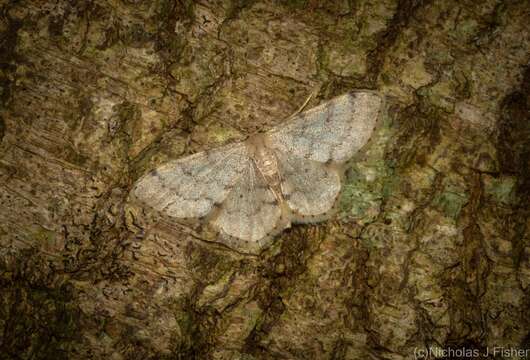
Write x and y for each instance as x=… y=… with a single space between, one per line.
x=301 y=108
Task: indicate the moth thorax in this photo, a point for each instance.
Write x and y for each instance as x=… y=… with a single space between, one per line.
x=266 y=162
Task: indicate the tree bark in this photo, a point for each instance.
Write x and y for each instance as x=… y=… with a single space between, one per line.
x=430 y=254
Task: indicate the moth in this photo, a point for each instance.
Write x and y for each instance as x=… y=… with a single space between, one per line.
x=250 y=191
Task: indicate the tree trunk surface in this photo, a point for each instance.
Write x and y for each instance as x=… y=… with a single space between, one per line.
x=428 y=257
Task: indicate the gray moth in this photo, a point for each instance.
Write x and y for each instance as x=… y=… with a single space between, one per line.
x=250 y=191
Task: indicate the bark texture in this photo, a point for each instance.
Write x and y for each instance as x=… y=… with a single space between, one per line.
x=431 y=248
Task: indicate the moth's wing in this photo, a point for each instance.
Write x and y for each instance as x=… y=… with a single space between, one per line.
x=250 y=215
x=310 y=188
x=331 y=132
x=189 y=187
x=312 y=146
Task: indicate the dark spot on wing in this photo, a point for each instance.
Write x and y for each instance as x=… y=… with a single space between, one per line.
x=154 y=173
x=272 y=202
x=216 y=206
